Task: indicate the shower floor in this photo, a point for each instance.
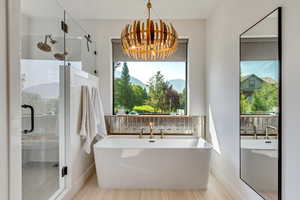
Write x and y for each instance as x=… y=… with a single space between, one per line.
x=40 y=180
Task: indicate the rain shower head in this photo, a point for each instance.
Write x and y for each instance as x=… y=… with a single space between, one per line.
x=44 y=46
x=60 y=56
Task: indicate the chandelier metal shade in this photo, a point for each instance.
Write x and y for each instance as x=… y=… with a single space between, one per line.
x=149 y=39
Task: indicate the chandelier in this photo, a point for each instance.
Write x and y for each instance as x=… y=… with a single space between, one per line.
x=149 y=40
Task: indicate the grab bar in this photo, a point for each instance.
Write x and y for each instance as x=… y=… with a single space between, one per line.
x=25 y=106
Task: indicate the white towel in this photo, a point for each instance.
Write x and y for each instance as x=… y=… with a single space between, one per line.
x=98 y=108
x=88 y=128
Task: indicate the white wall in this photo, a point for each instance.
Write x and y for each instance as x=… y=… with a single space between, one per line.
x=223 y=28
x=104 y=30
x=3 y=104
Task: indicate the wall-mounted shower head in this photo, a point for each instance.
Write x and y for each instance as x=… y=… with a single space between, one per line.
x=44 y=46
x=60 y=56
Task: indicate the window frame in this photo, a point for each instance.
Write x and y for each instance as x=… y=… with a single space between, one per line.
x=186 y=110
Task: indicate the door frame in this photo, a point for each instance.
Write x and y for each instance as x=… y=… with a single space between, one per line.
x=14 y=100
x=3 y=102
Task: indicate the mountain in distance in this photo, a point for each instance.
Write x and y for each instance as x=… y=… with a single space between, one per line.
x=178 y=84
x=45 y=90
x=133 y=80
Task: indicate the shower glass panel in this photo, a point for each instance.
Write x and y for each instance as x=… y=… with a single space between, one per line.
x=42 y=118
x=80 y=47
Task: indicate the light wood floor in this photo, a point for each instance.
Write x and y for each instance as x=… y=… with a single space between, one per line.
x=91 y=191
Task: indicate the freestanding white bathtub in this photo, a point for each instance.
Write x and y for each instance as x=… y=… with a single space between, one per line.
x=127 y=162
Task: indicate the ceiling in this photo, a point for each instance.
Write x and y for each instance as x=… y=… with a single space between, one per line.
x=121 y=9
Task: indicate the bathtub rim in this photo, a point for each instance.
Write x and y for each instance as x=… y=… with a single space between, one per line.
x=206 y=145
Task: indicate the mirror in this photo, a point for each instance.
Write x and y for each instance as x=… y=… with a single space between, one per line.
x=260 y=106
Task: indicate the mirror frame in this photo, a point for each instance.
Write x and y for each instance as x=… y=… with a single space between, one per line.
x=279 y=10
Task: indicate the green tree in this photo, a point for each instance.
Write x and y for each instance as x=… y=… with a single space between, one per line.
x=157 y=87
x=117 y=87
x=172 y=100
x=246 y=106
x=117 y=83
x=266 y=98
x=182 y=99
x=139 y=95
x=124 y=93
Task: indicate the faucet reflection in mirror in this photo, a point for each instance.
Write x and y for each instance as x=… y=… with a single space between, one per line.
x=259 y=126
x=156 y=125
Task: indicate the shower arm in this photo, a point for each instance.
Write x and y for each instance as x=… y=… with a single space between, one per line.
x=88 y=40
x=46 y=39
x=50 y=38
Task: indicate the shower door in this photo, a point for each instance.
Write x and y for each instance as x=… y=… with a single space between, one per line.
x=42 y=85
x=42 y=129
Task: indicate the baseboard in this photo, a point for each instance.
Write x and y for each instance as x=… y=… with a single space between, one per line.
x=79 y=183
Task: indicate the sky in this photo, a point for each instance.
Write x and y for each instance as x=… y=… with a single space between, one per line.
x=145 y=70
x=260 y=68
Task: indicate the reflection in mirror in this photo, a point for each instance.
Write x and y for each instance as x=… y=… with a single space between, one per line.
x=260 y=110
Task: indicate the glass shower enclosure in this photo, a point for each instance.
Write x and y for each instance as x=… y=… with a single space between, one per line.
x=51 y=39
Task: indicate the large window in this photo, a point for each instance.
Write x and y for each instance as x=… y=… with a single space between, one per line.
x=150 y=87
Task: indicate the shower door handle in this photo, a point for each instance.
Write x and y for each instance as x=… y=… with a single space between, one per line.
x=25 y=106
